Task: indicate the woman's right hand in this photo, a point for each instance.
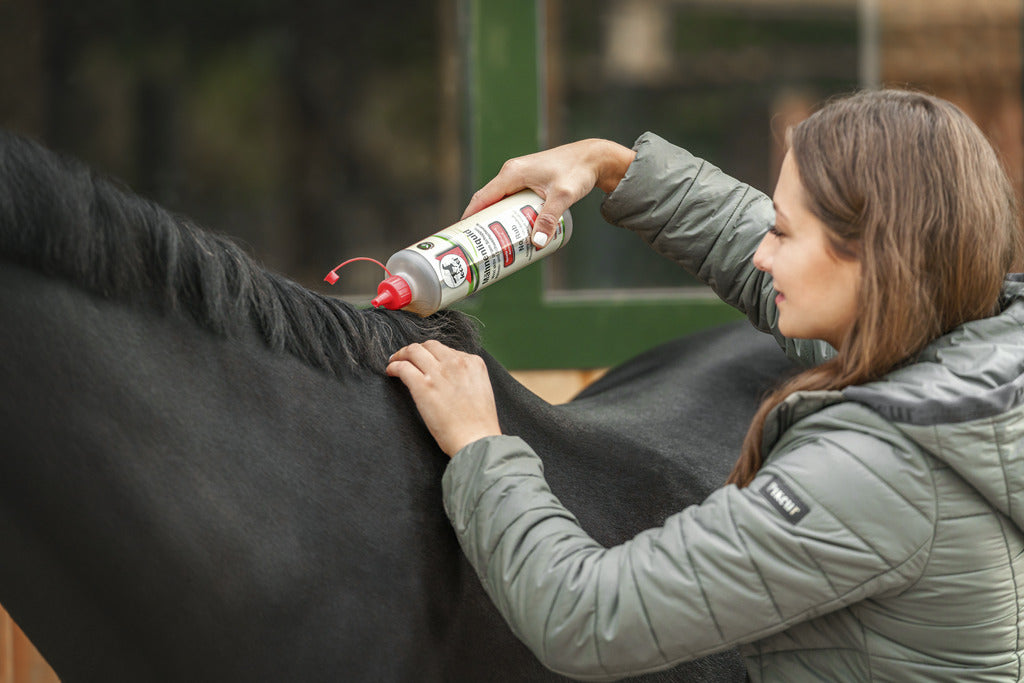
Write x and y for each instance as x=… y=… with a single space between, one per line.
x=561 y=176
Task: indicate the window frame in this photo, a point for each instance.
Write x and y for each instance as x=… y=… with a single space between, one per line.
x=524 y=324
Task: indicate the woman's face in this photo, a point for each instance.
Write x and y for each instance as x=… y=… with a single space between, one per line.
x=816 y=290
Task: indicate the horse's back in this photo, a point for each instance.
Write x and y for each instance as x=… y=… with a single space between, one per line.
x=658 y=432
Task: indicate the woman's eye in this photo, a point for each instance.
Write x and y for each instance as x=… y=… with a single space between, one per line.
x=774 y=230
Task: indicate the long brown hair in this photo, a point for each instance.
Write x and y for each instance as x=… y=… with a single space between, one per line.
x=909 y=185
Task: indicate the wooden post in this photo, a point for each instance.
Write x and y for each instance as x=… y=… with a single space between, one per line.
x=6 y=648
x=20 y=662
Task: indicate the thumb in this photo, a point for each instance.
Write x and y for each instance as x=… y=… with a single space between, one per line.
x=543 y=229
x=547 y=221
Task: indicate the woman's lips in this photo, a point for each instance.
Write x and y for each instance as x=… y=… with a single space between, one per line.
x=779 y=298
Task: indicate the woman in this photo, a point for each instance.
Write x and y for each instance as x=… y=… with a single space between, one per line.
x=873 y=526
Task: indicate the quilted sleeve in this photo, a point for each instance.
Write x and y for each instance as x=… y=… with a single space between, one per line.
x=711 y=224
x=745 y=564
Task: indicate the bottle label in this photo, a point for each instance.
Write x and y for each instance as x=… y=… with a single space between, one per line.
x=487 y=246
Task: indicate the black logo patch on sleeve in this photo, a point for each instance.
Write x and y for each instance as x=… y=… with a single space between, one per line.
x=784 y=500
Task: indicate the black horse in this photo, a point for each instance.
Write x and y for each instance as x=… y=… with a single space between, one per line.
x=206 y=475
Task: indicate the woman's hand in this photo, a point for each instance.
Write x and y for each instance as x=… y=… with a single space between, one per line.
x=452 y=391
x=561 y=176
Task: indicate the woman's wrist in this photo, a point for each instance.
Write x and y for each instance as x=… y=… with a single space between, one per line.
x=463 y=439
x=613 y=161
x=465 y=446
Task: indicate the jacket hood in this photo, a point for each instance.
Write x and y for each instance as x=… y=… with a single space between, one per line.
x=963 y=401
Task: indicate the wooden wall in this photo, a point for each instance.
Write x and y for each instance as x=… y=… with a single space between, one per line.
x=556 y=386
x=967 y=52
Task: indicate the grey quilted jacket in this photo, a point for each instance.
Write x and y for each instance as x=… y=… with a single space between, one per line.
x=882 y=540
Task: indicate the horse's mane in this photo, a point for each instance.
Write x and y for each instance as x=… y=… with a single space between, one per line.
x=62 y=218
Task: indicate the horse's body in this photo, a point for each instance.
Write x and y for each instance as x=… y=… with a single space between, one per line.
x=205 y=474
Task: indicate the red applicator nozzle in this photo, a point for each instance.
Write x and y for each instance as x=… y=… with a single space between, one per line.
x=332 y=274
x=393 y=293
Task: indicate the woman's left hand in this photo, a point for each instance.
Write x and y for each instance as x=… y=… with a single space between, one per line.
x=451 y=390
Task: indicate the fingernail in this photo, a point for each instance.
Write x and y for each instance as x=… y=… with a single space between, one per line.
x=540 y=239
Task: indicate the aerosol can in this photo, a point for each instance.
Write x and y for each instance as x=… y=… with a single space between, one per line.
x=468 y=256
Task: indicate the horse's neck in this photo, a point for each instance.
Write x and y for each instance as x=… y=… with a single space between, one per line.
x=168 y=476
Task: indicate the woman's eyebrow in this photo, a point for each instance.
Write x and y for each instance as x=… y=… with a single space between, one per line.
x=779 y=213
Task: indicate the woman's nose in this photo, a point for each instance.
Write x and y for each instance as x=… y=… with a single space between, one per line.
x=763 y=256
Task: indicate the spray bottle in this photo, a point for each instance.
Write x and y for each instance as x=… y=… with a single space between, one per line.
x=467 y=256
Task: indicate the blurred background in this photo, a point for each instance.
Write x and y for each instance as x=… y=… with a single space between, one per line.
x=317 y=130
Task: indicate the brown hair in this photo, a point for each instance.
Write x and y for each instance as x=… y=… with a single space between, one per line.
x=909 y=185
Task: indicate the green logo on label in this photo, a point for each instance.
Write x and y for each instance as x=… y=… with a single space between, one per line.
x=425 y=246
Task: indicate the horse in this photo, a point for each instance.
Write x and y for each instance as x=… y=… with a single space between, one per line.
x=205 y=474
